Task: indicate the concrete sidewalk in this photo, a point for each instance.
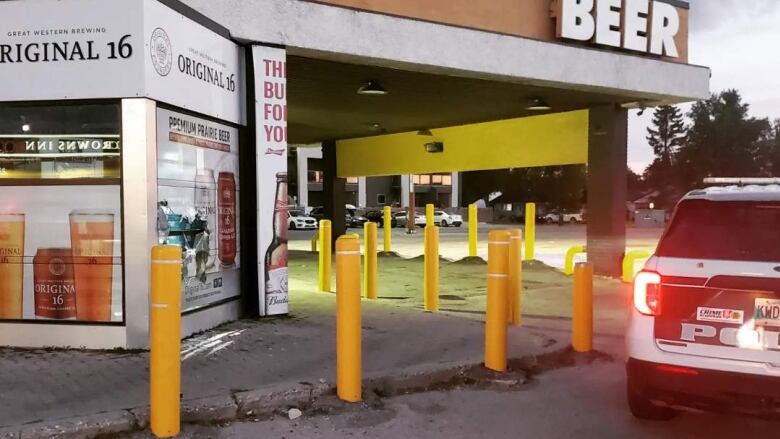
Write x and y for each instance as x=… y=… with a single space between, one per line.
x=41 y=389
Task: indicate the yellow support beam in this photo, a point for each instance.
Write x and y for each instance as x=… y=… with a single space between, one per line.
x=546 y=140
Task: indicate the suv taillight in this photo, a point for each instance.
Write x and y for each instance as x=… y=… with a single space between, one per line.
x=647 y=293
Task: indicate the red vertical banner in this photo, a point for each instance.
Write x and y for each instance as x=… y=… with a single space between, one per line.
x=270 y=66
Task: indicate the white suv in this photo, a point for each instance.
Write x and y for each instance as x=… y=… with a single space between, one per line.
x=705 y=325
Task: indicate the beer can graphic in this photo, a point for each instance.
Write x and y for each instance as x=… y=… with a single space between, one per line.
x=226 y=204
x=53 y=284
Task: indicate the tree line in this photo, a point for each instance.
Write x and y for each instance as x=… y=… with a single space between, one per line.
x=718 y=139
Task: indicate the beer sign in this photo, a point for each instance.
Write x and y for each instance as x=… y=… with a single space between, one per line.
x=197 y=193
x=645 y=26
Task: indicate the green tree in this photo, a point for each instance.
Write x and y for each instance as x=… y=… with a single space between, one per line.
x=667 y=133
x=722 y=140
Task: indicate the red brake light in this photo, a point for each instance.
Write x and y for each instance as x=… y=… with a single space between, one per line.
x=679 y=370
x=647 y=293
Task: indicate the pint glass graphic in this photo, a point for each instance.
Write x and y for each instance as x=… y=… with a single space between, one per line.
x=92 y=242
x=11 y=265
x=54 y=286
x=226 y=197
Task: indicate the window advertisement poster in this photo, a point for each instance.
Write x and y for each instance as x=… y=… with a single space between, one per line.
x=271 y=111
x=198 y=207
x=60 y=213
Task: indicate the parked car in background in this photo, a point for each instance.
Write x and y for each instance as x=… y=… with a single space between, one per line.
x=555 y=217
x=440 y=218
x=378 y=217
x=355 y=220
x=297 y=220
x=400 y=219
x=444 y=219
x=317 y=213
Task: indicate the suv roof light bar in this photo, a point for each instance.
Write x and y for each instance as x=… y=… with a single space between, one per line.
x=741 y=181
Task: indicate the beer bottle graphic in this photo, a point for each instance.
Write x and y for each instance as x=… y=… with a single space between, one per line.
x=276 y=254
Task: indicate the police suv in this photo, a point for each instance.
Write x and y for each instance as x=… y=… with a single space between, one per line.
x=705 y=325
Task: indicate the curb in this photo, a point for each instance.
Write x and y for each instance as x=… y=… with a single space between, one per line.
x=263 y=402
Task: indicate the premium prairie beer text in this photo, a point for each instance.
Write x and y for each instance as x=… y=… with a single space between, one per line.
x=276 y=255
x=53 y=285
x=92 y=242
x=226 y=199
x=11 y=265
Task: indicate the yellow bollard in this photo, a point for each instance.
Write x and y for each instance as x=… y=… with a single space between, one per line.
x=429 y=221
x=515 y=283
x=324 y=257
x=473 y=219
x=387 y=223
x=348 y=320
x=431 y=269
x=314 y=240
x=370 y=264
x=165 y=341
x=582 y=314
x=495 y=317
x=530 y=231
x=568 y=264
x=628 y=263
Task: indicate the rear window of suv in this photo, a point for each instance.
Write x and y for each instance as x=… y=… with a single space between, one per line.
x=730 y=230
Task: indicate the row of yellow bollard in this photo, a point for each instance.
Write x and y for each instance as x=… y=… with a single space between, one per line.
x=323 y=273
x=431 y=269
x=504 y=293
x=348 y=320
x=568 y=264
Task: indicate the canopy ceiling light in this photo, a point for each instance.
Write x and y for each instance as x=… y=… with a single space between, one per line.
x=372 y=88
x=538 y=104
x=377 y=127
x=425 y=132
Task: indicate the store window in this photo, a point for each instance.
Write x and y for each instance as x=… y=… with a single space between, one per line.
x=198 y=209
x=60 y=212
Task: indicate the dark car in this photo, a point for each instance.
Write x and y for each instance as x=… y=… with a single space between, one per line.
x=354 y=220
x=317 y=213
x=378 y=217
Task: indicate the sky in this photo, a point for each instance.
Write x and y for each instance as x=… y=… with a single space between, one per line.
x=740 y=41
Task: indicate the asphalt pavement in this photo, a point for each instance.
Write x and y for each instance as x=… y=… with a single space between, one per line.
x=584 y=401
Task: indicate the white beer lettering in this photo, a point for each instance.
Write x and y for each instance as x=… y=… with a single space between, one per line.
x=638 y=25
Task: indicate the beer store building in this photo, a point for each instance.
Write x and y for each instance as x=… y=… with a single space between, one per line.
x=129 y=123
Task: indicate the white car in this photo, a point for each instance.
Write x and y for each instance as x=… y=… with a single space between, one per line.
x=554 y=218
x=297 y=220
x=440 y=218
x=704 y=331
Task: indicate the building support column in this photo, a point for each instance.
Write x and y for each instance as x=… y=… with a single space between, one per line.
x=304 y=153
x=404 y=190
x=606 y=206
x=455 y=200
x=334 y=191
x=362 y=202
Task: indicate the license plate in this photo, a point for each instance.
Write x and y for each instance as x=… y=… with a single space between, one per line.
x=766 y=312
